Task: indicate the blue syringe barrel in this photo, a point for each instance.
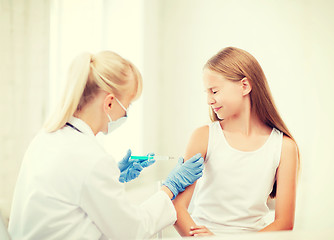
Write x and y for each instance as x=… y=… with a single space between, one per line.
x=144 y=158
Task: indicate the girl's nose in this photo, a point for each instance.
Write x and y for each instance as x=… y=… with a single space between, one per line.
x=210 y=100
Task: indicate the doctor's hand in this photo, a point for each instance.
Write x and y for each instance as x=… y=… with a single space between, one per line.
x=184 y=174
x=131 y=169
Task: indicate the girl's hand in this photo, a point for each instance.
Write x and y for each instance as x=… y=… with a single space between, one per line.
x=200 y=231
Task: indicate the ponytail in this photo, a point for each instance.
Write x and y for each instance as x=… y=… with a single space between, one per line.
x=76 y=82
x=106 y=71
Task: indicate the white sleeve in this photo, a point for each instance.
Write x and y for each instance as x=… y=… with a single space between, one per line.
x=103 y=199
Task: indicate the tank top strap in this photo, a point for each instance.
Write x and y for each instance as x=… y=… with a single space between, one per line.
x=215 y=138
x=276 y=145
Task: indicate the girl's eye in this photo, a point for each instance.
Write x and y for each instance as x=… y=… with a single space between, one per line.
x=214 y=92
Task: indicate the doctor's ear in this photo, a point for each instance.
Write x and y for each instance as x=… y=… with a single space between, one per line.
x=246 y=86
x=108 y=101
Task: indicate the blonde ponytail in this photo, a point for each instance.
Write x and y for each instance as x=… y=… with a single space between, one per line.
x=76 y=82
x=89 y=73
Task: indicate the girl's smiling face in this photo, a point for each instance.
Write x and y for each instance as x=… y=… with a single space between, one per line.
x=225 y=97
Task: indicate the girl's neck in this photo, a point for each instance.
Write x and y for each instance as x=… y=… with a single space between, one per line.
x=245 y=123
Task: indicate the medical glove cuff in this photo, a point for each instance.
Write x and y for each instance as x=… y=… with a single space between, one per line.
x=171 y=186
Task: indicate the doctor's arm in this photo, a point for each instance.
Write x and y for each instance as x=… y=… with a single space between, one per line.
x=286 y=187
x=103 y=200
x=197 y=144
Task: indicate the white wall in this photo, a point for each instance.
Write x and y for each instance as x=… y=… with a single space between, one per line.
x=24 y=69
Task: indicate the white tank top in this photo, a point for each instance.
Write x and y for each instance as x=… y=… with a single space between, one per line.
x=232 y=194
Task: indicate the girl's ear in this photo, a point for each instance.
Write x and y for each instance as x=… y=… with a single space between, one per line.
x=246 y=86
x=108 y=102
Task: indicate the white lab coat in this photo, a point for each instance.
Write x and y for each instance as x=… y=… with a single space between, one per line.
x=68 y=188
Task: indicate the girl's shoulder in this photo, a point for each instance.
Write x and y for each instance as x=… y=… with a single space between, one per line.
x=200 y=135
x=201 y=131
x=204 y=130
x=290 y=153
x=289 y=145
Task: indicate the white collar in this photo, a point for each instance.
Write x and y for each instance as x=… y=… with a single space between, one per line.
x=81 y=125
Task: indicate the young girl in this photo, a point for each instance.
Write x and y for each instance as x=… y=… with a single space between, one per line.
x=249 y=154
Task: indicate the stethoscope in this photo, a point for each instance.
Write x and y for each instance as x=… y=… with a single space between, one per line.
x=70 y=125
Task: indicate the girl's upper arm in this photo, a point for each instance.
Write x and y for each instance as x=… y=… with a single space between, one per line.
x=286 y=183
x=198 y=143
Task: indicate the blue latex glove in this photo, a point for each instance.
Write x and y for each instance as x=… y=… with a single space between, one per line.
x=131 y=169
x=184 y=174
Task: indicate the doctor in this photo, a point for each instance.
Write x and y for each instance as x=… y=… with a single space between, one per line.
x=68 y=186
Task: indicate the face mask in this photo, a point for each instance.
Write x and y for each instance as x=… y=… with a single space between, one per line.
x=112 y=125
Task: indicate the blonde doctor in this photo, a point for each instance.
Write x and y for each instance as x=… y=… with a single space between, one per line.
x=68 y=186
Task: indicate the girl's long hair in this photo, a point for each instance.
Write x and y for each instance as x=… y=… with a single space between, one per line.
x=89 y=74
x=234 y=64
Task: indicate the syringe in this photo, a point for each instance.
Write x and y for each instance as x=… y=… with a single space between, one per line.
x=157 y=158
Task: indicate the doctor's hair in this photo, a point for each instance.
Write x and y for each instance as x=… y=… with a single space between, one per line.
x=234 y=64
x=89 y=74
